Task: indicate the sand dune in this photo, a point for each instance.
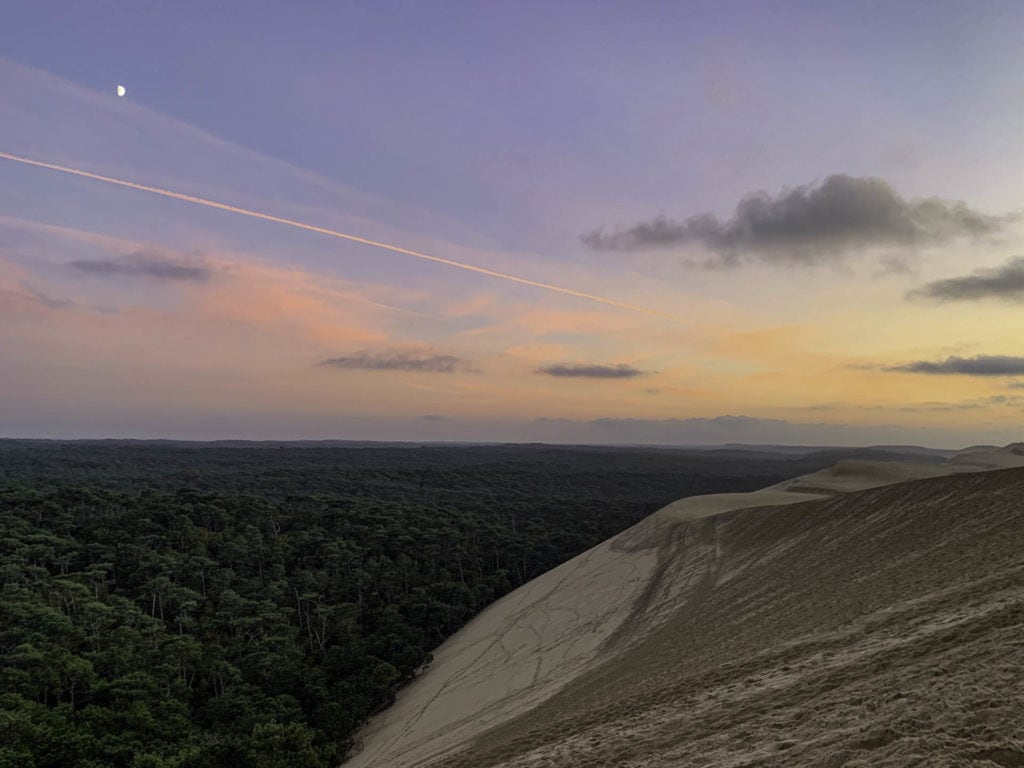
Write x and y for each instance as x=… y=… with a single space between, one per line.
x=528 y=645
x=855 y=475
x=798 y=625
x=1003 y=458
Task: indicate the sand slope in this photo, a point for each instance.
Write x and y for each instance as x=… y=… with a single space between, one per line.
x=786 y=633
x=528 y=645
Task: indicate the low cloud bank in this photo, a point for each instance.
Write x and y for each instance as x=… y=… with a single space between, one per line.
x=398 y=361
x=1005 y=282
x=981 y=365
x=590 y=371
x=809 y=224
x=750 y=430
x=606 y=431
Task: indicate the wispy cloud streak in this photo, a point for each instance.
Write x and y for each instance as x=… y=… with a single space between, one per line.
x=340 y=235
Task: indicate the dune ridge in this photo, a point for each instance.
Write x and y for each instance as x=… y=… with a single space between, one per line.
x=747 y=629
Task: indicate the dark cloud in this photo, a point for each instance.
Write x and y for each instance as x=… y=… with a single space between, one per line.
x=981 y=365
x=147 y=264
x=1004 y=282
x=809 y=224
x=47 y=301
x=590 y=371
x=398 y=361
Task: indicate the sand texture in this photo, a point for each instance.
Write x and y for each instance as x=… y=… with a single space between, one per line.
x=792 y=626
x=528 y=645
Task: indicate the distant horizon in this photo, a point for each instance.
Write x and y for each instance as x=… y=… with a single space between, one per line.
x=341 y=441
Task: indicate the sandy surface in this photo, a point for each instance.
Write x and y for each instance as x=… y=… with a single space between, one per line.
x=857 y=475
x=807 y=629
x=516 y=653
x=1010 y=456
x=531 y=643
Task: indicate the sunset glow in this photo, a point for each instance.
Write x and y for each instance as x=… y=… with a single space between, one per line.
x=684 y=241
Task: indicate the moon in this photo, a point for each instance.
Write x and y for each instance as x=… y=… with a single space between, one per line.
x=121 y=91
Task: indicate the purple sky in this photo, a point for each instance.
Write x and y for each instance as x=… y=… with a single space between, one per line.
x=497 y=134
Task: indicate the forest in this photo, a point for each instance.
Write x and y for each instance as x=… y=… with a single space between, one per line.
x=186 y=605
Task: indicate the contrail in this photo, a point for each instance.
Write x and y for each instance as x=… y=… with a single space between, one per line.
x=342 y=235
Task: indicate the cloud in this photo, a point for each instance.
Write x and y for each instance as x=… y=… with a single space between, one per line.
x=981 y=365
x=999 y=399
x=932 y=407
x=147 y=264
x=964 y=405
x=398 y=361
x=590 y=371
x=809 y=224
x=20 y=296
x=47 y=301
x=893 y=265
x=727 y=429
x=1004 y=282
x=753 y=430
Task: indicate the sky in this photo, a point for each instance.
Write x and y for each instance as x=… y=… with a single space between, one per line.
x=644 y=222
